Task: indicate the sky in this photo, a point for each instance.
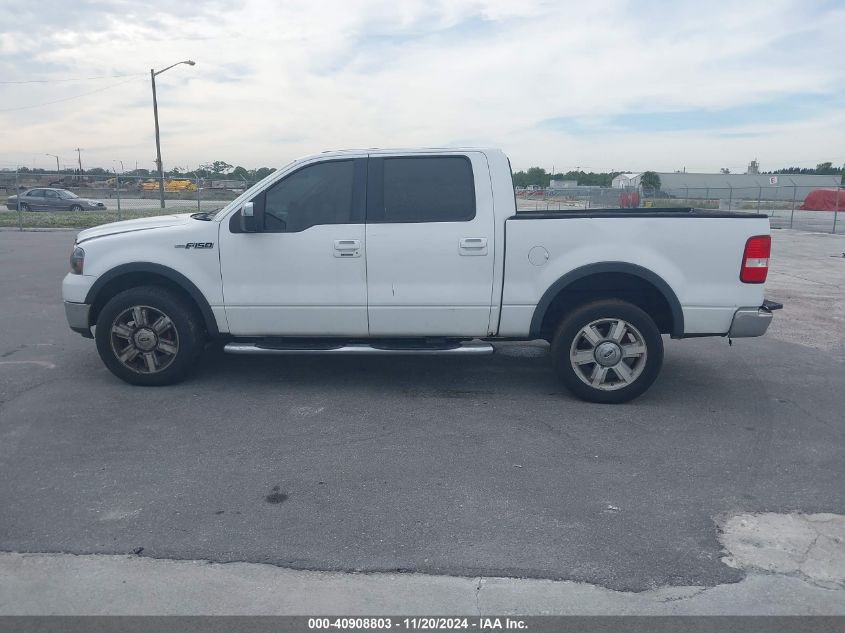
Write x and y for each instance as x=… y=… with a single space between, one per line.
x=600 y=85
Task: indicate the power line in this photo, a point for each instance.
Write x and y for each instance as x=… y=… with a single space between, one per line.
x=50 y=81
x=84 y=94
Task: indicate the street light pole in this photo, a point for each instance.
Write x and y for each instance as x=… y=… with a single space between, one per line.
x=153 y=74
x=57 y=162
x=158 y=141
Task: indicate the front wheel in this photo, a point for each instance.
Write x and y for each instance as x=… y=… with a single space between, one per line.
x=75 y=208
x=608 y=351
x=24 y=206
x=148 y=336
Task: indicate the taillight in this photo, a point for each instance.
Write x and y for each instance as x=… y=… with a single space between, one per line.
x=77 y=261
x=755 y=259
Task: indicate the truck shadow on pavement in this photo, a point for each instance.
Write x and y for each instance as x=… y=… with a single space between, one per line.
x=514 y=370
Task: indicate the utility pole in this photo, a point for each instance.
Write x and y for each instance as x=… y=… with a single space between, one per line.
x=79 y=157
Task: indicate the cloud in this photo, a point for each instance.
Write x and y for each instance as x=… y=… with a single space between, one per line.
x=785 y=109
x=609 y=83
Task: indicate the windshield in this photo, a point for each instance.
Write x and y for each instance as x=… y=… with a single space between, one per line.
x=67 y=195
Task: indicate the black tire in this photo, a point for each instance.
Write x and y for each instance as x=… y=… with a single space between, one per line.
x=75 y=208
x=24 y=206
x=640 y=348
x=183 y=333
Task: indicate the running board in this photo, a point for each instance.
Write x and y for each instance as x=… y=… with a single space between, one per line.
x=357 y=348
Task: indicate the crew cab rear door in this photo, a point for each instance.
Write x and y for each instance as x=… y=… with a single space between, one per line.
x=429 y=245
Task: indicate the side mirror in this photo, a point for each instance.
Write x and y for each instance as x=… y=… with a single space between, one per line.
x=250 y=222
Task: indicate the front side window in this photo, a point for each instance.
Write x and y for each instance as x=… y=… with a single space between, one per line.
x=36 y=193
x=67 y=195
x=51 y=194
x=428 y=189
x=316 y=194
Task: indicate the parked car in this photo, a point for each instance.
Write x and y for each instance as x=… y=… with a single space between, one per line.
x=43 y=199
x=416 y=252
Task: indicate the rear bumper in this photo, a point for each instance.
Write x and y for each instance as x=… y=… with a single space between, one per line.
x=77 y=318
x=749 y=322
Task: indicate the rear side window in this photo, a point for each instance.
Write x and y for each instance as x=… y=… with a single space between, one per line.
x=428 y=189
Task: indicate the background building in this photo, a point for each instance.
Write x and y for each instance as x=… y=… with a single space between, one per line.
x=562 y=184
x=744 y=186
x=623 y=181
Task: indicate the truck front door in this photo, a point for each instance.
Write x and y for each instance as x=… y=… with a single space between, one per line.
x=304 y=274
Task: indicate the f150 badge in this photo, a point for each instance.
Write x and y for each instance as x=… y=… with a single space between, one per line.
x=196 y=245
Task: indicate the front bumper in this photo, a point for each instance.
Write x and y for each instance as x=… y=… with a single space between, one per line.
x=77 y=318
x=749 y=322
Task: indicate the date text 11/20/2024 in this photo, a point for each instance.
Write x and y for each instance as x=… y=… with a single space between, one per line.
x=418 y=623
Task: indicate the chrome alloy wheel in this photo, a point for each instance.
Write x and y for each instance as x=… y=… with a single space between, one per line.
x=608 y=354
x=144 y=339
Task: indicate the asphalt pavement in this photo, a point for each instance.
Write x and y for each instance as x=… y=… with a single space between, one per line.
x=456 y=466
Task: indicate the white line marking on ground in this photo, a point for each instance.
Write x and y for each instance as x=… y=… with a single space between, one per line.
x=40 y=363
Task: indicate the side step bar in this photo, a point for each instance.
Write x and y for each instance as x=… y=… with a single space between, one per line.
x=358 y=348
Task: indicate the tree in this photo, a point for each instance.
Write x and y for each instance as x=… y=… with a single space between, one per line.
x=240 y=172
x=534 y=176
x=262 y=173
x=220 y=167
x=724 y=170
x=650 y=181
x=826 y=169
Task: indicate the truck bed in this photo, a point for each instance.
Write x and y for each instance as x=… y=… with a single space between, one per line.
x=691 y=250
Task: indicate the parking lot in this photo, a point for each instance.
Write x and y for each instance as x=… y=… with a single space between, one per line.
x=463 y=467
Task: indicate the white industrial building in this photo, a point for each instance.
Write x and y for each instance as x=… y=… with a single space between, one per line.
x=624 y=181
x=744 y=186
x=736 y=186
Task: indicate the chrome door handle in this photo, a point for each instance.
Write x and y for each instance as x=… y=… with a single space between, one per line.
x=473 y=246
x=347 y=248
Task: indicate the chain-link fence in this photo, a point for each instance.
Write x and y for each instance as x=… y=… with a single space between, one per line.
x=44 y=200
x=788 y=206
x=62 y=199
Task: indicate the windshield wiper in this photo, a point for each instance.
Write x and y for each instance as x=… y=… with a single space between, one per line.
x=206 y=215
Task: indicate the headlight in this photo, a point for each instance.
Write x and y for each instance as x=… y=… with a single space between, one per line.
x=93 y=203
x=77 y=261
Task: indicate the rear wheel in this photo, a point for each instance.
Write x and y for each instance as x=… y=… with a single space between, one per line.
x=608 y=351
x=148 y=336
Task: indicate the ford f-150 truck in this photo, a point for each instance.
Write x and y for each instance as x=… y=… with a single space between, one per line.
x=416 y=251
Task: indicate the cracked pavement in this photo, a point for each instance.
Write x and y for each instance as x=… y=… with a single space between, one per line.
x=63 y=584
x=808 y=546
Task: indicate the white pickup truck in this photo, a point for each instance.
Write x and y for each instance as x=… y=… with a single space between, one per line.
x=416 y=252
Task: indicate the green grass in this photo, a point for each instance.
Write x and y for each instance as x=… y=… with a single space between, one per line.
x=73 y=220
x=698 y=203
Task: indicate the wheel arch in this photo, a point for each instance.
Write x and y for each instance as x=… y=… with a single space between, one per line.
x=612 y=279
x=136 y=274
